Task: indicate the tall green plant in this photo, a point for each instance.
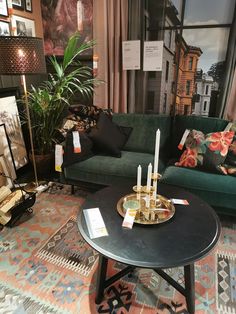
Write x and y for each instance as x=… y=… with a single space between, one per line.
x=49 y=102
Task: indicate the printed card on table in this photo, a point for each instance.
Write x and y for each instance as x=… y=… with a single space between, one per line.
x=95 y=223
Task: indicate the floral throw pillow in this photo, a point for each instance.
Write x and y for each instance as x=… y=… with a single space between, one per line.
x=229 y=166
x=206 y=151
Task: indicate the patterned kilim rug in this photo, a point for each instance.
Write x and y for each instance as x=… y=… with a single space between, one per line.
x=46 y=267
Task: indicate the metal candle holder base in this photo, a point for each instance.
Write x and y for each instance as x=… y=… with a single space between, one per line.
x=151 y=208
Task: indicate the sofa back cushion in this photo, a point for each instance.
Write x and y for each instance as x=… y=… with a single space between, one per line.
x=142 y=138
x=204 y=124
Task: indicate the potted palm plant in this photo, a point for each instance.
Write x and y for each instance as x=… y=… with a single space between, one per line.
x=48 y=103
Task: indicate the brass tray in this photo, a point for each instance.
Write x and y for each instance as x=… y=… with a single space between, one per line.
x=160 y=211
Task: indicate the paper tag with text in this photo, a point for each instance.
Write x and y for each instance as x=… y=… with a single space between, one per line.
x=76 y=142
x=58 y=157
x=177 y=201
x=183 y=140
x=129 y=218
x=95 y=223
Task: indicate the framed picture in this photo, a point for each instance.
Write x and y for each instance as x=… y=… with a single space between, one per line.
x=63 y=18
x=24 y=27
x=5 y=173
x=18 y=4
x=4 y=28
x=9 y=116
x=3 y=8
x=28 y=5
x=5 y=150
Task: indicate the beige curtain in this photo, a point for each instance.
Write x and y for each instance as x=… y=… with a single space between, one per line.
x=230 y=110
x=110 y=27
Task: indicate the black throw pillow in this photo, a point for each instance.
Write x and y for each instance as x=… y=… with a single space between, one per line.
x=109 y=138
x=70 y=157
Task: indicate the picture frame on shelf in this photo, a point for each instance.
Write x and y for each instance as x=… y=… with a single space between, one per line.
x=24 y=26
x=28 y=6
x=5 y=150
x=18 y=4
x=4 y=28
x=5 y=173
x=3 y=8
x=9 y=116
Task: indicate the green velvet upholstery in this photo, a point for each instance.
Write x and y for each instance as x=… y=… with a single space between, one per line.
x=113 y=169
x=215 y=189
x=142 y=138
x=218 y=190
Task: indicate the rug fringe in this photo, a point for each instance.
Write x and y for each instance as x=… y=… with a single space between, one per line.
x=63 y=262
x=225 y=310
x=30 y=302
x=226 y=254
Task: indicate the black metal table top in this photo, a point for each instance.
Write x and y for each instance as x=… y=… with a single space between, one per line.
x=188 y=236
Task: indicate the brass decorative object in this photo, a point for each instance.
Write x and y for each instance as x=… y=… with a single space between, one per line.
x=157 y=210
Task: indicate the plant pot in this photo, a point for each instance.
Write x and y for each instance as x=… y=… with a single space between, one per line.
x=44 y=163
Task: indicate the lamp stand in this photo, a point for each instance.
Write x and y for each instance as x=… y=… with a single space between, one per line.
x=30 y=129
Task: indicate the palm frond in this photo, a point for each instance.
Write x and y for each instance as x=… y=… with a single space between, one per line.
x=49 y=102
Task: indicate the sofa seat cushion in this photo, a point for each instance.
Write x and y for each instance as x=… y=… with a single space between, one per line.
x=217 y=190
x=110 y=170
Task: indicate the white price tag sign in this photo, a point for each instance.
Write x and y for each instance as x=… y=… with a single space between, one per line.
x=76 y=142
x=183 y=139
x=177 y=201
x=58 y=157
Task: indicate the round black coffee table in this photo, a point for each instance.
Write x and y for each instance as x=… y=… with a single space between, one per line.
x=187 y=237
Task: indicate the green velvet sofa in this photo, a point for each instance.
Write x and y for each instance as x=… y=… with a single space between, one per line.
x=216 y=189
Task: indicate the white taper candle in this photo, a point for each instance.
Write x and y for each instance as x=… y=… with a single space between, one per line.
x=157 y=147
x=149 y=177
x=139 y=178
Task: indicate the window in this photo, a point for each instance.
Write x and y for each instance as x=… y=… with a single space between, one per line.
x=188 y=84
x=164 y=104
x=205 y=106
x=195 y=49
x=186 y=110
x=152 y=74
x=168 y=37
x=150 y=100
x=167 y=70
x=173 y=87
x=190 y=63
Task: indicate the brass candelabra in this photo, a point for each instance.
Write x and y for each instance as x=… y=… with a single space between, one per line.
x=152 y=208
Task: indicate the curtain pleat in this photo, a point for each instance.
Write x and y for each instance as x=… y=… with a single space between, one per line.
x=230 y=110
x=114 y=23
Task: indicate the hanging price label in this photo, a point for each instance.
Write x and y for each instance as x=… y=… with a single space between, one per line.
x=76 y=142
x=183 y=140
x=58 y=157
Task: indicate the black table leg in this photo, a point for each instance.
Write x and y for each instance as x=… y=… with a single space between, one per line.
x=190 y=287
x=101 y=278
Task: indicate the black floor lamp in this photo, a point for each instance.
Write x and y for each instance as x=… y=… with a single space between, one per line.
x=20 y=56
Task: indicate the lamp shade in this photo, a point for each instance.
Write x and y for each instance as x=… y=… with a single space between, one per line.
x=21 y=55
